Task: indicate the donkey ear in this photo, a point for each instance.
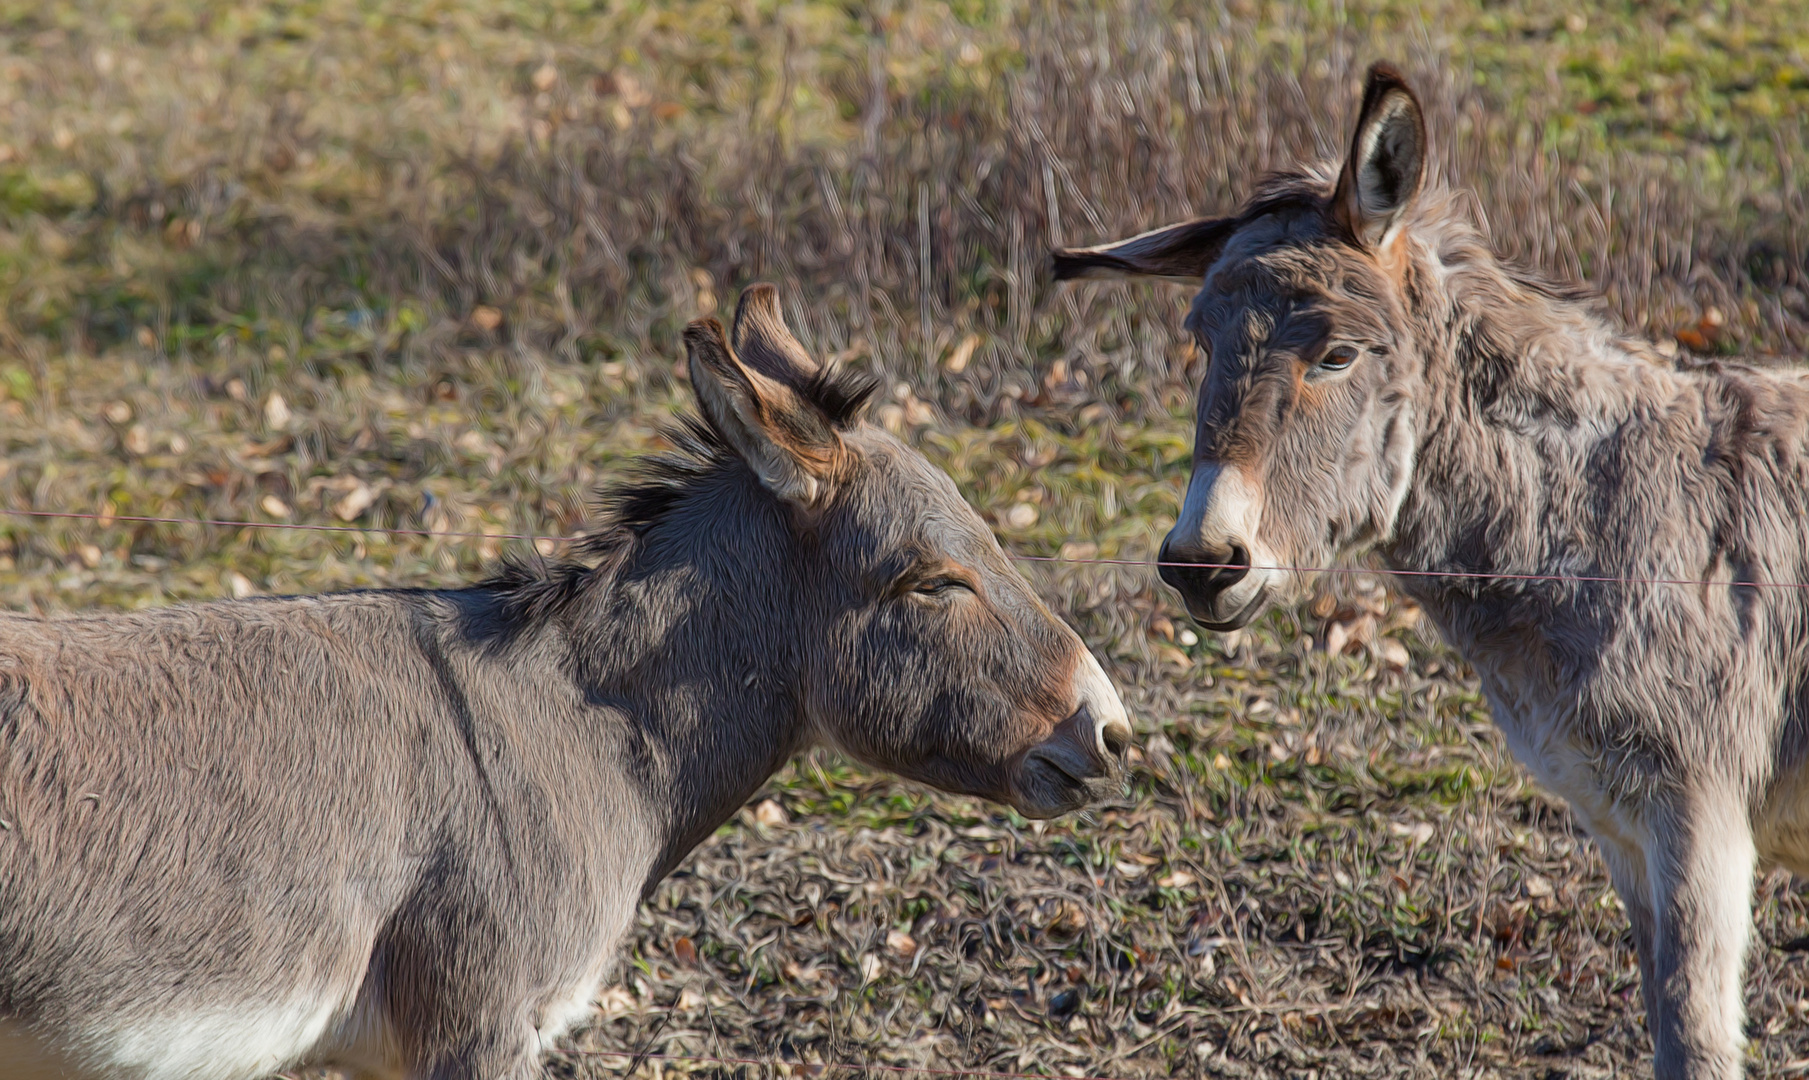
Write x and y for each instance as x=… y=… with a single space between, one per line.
x=765 y=343
x=1387 y=159
x=1185 y=251
x=787 y=441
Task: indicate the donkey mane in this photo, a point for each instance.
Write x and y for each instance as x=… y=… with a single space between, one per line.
x=532 y=590
x=1440 y=211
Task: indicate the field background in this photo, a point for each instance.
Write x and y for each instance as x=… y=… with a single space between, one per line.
x=423 y=264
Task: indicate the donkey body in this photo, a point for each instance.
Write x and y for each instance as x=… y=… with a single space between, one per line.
x=1378 y=380
x=402 y=832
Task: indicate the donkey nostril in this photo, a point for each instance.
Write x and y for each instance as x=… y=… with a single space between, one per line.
x=1205 y=572
x=1117 y=739
x=1236 y=565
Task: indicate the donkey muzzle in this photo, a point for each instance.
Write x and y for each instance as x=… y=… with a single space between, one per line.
x=1080 y=763
x=1209 y=557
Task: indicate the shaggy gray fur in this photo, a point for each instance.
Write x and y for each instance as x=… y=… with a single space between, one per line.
x=1378 y=380
x=401 y=832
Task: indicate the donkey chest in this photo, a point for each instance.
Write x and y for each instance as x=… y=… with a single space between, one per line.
x=1601 y=773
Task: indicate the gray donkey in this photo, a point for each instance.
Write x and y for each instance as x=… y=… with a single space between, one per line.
x=1378 y=380
x=402 y=832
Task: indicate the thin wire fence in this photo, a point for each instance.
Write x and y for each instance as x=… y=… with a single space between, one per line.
x=1469 y=575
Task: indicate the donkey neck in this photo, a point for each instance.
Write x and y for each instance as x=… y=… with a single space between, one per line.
x=1526 y=407
x=686 y=640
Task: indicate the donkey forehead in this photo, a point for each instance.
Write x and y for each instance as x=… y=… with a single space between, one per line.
x=902 y=504
x=1281 y=278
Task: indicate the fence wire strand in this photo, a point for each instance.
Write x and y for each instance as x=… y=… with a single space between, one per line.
x=1465 y=575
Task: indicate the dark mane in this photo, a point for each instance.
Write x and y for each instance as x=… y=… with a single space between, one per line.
x=839 y=394
x=1291 y=189
x=531 y=589
x=655 y=483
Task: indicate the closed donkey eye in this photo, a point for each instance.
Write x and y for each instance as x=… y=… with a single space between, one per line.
x=941 y=586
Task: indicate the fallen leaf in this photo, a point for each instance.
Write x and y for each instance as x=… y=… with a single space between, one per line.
x=241 y=585
x=274 y=506
x=900 y=944
x=1021 y=516
x=1180 y=879
x=486 y=318
x=545 y=76
x=355 y=502
x=615 y=1001
x=684 y=950
x=1419 y=832
x=771 y=814
x=634 y=95
x=963 y=352
x=276 y=411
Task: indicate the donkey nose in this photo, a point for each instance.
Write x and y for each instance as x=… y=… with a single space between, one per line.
x=1178 y=568
x=1099 y=701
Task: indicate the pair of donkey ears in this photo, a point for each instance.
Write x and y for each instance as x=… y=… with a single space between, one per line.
x=1380 y=178
x=752 y=393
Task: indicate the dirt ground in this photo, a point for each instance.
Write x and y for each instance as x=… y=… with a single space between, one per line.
x=423 y=265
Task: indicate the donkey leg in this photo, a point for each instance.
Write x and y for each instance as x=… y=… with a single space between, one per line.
x=1627 y=869
x=495 y=1055
x=1701 y=873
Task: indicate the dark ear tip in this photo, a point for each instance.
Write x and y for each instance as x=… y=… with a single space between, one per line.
x=700 y=332
x=1385 y=79
x=1383 y=74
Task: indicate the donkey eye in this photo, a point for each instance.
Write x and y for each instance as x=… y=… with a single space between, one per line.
x=941 y=586
x=1338 y=358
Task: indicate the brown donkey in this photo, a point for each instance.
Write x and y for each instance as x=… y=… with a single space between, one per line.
x=401 y=832
x=1377 y=380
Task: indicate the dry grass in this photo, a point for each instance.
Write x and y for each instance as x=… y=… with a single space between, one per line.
x=456 y=241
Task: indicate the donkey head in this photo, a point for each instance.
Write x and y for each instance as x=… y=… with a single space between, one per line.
x=1304 y=441
x=921 y=649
